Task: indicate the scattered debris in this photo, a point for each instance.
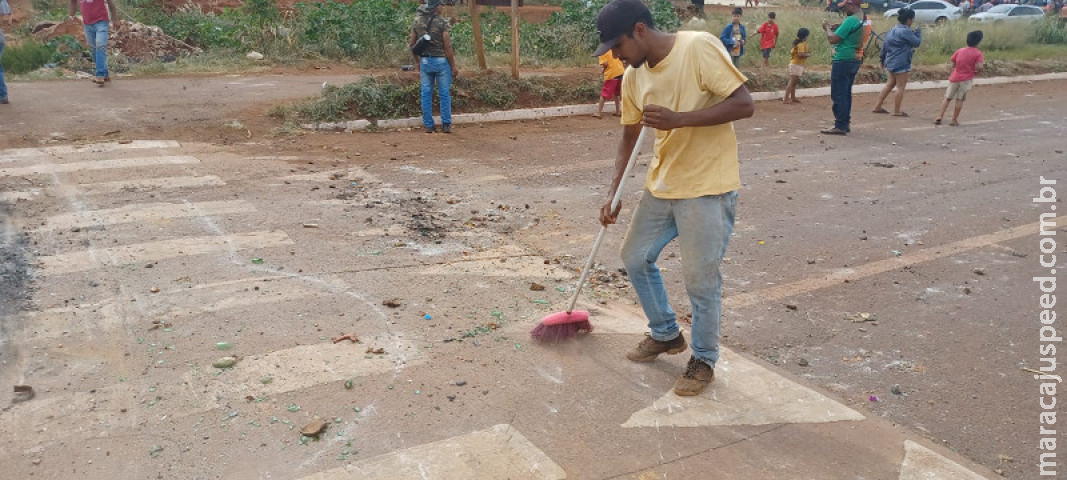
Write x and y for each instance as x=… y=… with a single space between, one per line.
x=346 y=336
x=791 y=306
x=155 y=451
x=862 y=317
x=313 y=429
x=224 y=362
x=349 y=384
x=376 y=351
x=979 y=271
x=803 y=362
x=154 y=290
x=392 y=303
x=897 y=253
x=257 y=261
x=134 y=40
x=873 y=398
x=23 y=393
x=537 y=287
x=896 y=390
x=1005 y=458
x=254 y=56
x=311 y=225
x=223 y=346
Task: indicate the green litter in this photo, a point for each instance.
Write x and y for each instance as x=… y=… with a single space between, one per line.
x=257 y=261
x=540 y=301
x=293 y=407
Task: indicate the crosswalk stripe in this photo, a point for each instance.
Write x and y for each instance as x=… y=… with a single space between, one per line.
x=15 y=153
x=743 y=393
x=500 y=452
x=144 y=213
x=921 y=463
x=97 y=165
x=144 y=252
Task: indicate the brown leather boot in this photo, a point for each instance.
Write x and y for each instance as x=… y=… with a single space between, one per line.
x=649 y=348
x=696 y=378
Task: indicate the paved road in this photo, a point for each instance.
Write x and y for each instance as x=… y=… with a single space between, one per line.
x=145 y=253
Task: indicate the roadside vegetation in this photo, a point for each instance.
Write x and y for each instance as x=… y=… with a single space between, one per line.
x=373 y=34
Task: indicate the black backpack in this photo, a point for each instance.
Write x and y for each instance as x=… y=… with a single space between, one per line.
x=425 y=40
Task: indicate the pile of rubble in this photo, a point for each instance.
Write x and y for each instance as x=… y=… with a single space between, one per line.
x=135 y=41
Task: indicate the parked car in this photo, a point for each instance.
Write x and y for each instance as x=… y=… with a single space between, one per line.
x=931 y=11
x=886 y=5
x=1009 y=13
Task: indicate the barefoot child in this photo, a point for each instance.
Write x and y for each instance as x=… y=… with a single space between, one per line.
x=612 y=68
x=768 y=33
x=966 y=63
x=798 y=57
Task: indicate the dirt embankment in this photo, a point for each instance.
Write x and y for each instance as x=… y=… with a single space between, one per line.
x=134 y=40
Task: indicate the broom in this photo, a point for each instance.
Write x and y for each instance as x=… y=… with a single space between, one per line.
x=561 y=326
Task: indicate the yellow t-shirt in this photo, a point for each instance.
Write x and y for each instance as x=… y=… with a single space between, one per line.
x=696 y=74
x=615 y=66
x=798 y=50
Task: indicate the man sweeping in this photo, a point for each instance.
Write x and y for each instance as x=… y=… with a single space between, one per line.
x=685 y=87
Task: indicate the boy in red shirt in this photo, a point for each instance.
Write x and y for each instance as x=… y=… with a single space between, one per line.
x=768 y=33
x=966 y=63
x=97 y=20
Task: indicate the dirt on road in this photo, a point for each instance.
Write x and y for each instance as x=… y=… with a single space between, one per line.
x=889 y=268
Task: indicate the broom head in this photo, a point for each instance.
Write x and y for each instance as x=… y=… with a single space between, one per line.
x=562 y=326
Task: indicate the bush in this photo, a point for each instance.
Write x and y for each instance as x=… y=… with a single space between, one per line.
x=27 y=57
x=373 y=30
x=1049 y=30
x=398 y=96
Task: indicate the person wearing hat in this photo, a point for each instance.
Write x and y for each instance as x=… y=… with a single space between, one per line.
x=685 y=87
x=436 y=63
x=848 y=56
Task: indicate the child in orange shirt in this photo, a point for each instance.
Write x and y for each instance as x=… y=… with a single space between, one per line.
x=798 y=58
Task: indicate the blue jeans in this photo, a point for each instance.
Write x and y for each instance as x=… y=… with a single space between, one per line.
x=431 y=70
x=3 y=86
x=96 y=37
x=703 y=226
x=842 y=76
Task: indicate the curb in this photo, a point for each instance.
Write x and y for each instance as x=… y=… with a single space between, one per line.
x=589 y=109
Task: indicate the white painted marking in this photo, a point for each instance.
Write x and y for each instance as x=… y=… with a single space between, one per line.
x=97 y=165
x=143 y=213
x=839 y=276
x=144 y=252
x=306 y=366
x=12 y=197
x=507 y=261
x=743 y=393
x=921 y=463
x=146 y=184
x=498 y=452
x=15 y=153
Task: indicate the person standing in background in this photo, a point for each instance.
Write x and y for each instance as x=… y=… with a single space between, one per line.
x=96 y=16
x=768 y=33
x=3 y=86
x=848 y=55
x=437 y=63
x=612 y=68
x=900 y=44
x=733 y=38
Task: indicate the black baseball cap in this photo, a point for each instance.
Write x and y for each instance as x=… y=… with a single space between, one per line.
x=616 y=19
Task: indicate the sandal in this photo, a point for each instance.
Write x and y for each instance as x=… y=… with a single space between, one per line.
x=879 y=110
x=937 y=122
x=901 y=114
x=954 y=124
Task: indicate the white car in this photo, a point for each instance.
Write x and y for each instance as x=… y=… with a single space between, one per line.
x=1009 y=13
x=931 y=11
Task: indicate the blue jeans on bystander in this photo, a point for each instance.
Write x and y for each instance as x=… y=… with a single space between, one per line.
x=842 y=76
x=96 y=37
x=703 y=226
x=436 y=70
x=3 y=86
